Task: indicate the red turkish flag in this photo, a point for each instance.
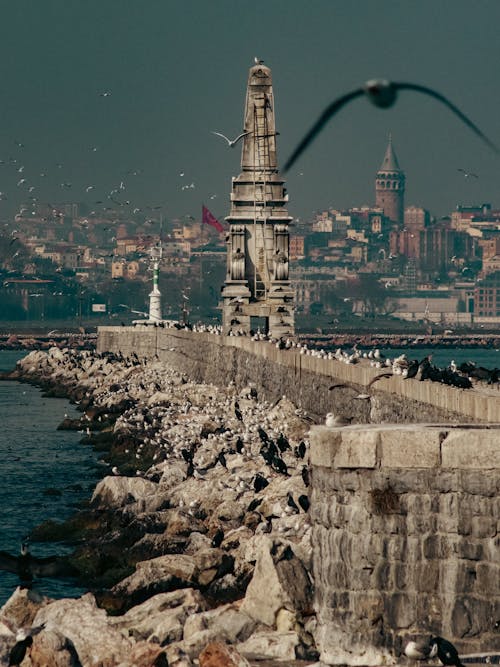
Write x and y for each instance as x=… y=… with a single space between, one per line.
x=208 y=218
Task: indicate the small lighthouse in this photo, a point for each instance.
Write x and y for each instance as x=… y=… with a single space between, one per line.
x=155 y=294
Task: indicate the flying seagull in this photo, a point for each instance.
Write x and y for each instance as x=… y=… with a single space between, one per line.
x=467 y=174
x=233 y=142
x=381 y=93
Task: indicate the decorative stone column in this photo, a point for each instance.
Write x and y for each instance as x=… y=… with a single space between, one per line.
x=257 y=283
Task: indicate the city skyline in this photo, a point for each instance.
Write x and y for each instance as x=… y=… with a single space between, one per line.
x=122 y=94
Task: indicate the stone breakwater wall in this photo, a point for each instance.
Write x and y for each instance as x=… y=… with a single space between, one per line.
x=406 y=538
x=304 y=379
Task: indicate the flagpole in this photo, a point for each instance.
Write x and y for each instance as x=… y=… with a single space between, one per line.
x=203 y=238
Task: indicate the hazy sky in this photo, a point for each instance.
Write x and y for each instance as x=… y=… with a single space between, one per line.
x=177 y=69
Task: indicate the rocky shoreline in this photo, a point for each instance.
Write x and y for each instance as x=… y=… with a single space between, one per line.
x=38 y=342
x=196 y=547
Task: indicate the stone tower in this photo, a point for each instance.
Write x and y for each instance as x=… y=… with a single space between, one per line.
x=390 y=187
x=257 y=290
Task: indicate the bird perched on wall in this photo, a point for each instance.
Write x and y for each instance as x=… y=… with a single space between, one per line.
x=336 y=420
x=421 y=650
x=383 y=94
x=446 y=652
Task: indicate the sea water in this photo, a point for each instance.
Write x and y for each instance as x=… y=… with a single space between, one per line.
x=44 y=474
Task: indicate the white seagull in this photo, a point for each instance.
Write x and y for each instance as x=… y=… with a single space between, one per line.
x=383 y=94
x=232 y=142
x=467 y=174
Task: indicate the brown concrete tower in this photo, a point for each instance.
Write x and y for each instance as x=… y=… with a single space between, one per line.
x=390 y=187
x=257 y=284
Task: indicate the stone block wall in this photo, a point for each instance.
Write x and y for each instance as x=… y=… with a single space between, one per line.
x=304 y=379
x=406 y=538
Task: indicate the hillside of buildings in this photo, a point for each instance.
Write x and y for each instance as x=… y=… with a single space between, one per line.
x=66 y=263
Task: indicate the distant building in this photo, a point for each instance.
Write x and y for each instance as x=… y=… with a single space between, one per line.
x=416 y=218
x=297 y=250
x=487 y=296
x=436 y=248
x=323 y=222
x=390 y=187
x=125 y=246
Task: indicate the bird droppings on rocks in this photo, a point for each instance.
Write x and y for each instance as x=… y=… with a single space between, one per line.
x=195 y=543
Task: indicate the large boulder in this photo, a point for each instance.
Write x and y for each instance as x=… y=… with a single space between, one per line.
x=118 y=491
x=225 y=622
x=87 y=628
x=80 y=634
x=280 y=581
x=22 y=606
x=217 y=654
x=52 y=648
x=271 y=646
x=161 y=618
x=158 y=575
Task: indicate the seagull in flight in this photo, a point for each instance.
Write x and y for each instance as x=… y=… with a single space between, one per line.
x=383 y=94
x=467 y=174
x=232 y=142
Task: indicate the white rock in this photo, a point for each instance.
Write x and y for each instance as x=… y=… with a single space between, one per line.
x=270 y=645
x=114 y=491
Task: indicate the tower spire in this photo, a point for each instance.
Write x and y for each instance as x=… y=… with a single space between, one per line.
x=390 y=162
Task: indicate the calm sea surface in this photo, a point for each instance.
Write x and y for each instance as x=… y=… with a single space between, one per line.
x=44 y=473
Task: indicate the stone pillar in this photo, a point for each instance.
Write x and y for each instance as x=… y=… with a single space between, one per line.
x=257 y=282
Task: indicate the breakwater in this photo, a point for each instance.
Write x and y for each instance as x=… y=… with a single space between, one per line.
x=392 y=510
x=404 y=341
x=34 y=341
x=305 y=379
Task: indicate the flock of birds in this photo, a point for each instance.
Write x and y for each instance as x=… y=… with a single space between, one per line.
x=165 y=416
x=33 y=184
x=462 y=376
x=380 y=92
